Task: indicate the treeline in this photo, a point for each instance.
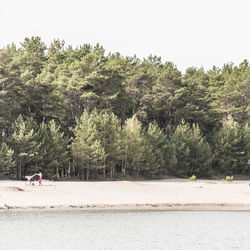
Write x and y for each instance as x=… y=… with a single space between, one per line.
x=81 y=113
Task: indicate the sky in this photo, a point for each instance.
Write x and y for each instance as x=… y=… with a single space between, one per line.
x=197 y=33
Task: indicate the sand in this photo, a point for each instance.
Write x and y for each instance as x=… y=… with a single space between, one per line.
x=174 y=194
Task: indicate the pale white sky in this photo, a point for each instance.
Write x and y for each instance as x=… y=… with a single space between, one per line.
x=186 y=32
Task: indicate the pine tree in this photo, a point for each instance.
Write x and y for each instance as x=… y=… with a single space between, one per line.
x=25 y=145
x=196 y=100
x=155 y=144
x=134 y=147
x=109 y=131
x=193 y=153
x=246 y=145
x=231 y=88
x=166 y=96
x=232 y=148
x=87 y=150
x=7 y=162
x=53 y=153
x=140 y=78
x=10 y=88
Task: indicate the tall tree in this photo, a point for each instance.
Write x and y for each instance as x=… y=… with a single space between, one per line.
x=193 y=154
x=155 y=150
x=25 y=145
x=197 y=100
x=231 y=148
x=10 y=88
x=166 y=96
x=53 y=153
x=87 y=150
x=141 y=77
x=7 y=162
x=108 y=132
x=134 y=147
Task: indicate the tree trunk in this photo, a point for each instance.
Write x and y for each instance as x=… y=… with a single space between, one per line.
x=68 y=171
x=87 y=174
x=19 y=172
x=135 y=173
x=112 y=170
x=82 y=174
x=124 y=168
x=57 y=172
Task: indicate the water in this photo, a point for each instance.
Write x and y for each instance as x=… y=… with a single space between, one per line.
x=124 y=230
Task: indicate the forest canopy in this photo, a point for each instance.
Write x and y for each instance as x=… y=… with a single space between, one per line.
x=82 y=113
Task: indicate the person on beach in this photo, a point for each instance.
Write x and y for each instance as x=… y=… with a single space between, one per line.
x=40 y=178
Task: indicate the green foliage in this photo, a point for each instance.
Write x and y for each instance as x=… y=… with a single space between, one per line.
x=166 y=96
x=25 y=145
x=232 y=148
x=229 y=178
x=53 y=154
x=87 y=150
x=126 y=114
x=197 y=100
x=108 y=128
x=230 y=91
x=7 y=162
x=134 y=148
x=192 y=152
x=155 y=149
x=192 y=178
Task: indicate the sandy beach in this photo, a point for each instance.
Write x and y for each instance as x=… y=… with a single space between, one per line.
x=174 y=194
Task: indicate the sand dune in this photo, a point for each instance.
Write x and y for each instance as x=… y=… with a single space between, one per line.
x=174 y=194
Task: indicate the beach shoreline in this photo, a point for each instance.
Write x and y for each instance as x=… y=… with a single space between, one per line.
x=134 y=207
x=155 y=195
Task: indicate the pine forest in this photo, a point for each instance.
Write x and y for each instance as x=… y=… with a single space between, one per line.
x=81 y=113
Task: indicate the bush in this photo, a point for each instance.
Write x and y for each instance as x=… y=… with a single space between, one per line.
x=192 y=178
x=229 y=178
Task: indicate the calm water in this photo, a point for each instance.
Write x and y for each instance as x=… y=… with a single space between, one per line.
x=124 y=230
